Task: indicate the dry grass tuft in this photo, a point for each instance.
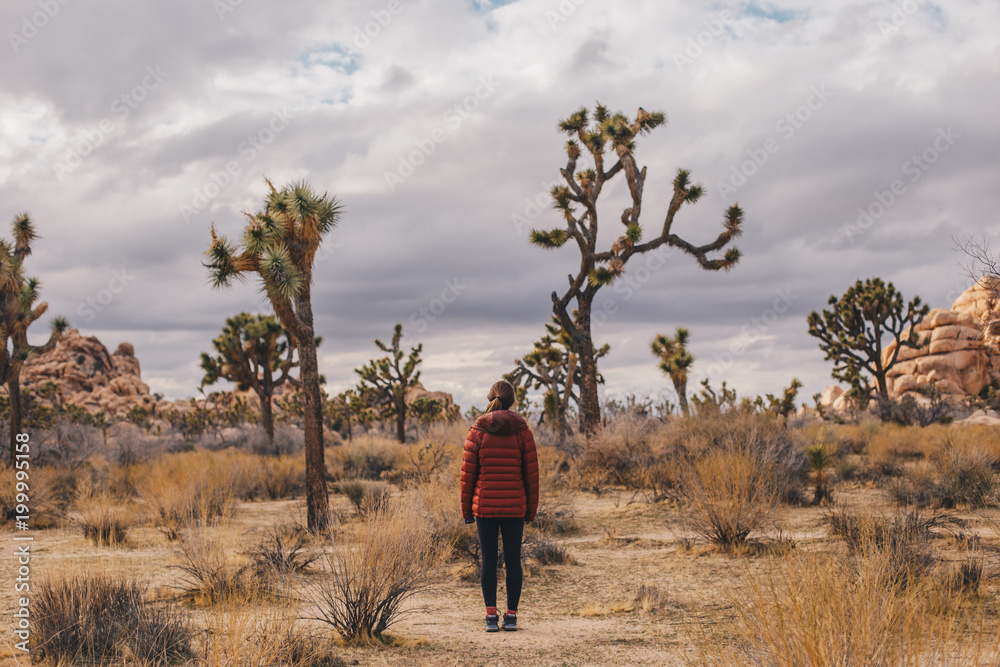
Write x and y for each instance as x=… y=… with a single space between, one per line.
x=731 y=494
x=101 y=617
x=210 y=576
x=367 y=496
x=388 y=560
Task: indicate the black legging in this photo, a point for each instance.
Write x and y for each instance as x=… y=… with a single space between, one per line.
x=512 y=530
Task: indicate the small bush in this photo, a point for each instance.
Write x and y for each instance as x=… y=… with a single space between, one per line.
x=546 y=551
x=389 y=560
x=102 y=617
x=185 y=487
x=366 y=496
x=283 y=476
x=104 y=522
x=369 y=460
x=904 y=539
x=731 y=494
x=209 y=575
x=281 y=556
x=649 y=597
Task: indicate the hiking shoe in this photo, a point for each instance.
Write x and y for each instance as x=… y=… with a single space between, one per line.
x=491 y=623
x=509 y=623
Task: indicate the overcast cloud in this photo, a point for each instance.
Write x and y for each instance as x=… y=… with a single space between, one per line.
x=128 y=128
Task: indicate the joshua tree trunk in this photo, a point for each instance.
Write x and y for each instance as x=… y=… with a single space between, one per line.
x=401 y=420
x=267 y=415
x=579 y=331
x=680 y=386
x=312 y=418
x=14 y=391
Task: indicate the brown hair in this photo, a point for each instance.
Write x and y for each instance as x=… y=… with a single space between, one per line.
x=501 y=396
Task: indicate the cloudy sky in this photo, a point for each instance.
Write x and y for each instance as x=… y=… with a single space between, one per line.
x=128 y=128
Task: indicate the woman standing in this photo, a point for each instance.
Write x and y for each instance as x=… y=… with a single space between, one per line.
x=500 y=493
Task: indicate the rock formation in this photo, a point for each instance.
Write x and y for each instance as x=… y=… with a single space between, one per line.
x=84 y=373
x=953 y=351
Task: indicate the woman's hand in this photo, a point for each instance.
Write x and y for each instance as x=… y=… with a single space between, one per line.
x=470 y=521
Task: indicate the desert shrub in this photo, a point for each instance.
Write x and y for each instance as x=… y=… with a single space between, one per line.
x=847 y=610
x=209 y=576
x=264 y=636
x=903 y=539
x=956 y=475
x=964 y=477
x=762 y=436
x=369 y=458
x=283 y=476
x=388 y=560
x=649 y=597
x=546 y=551
x=366 y=496
x=619 y=450
x=66 y=444
x=200 y=485
x=103 y=617
x=428 y=459
x=104 y=521
x=280 y=555
x=731 y=493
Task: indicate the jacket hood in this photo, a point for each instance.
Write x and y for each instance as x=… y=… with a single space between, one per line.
x=501 y=422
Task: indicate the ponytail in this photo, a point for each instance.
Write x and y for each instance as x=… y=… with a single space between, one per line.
x=501 y=396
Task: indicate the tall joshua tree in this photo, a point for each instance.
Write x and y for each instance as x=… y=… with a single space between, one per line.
x=279 y=247
x=255 y=352
x=18 y=311
x=612 y=136
x=553 y=364
x=386 y=380
x=675 y=360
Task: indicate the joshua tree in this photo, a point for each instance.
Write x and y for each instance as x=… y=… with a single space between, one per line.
x=345 y=410
x=853 y=331
x=675 y=360
x=554 y=365
x=577 y=200
x=279 y=245
x=255 y=352
x=386 y=380
x=18 y=312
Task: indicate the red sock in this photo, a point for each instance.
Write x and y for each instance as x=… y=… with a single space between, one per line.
x=511 y=612
x=491 y=611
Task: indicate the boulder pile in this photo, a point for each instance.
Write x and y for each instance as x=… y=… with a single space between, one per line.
x=953 y=351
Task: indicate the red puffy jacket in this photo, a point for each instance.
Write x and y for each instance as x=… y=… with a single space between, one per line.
x=500 y=468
